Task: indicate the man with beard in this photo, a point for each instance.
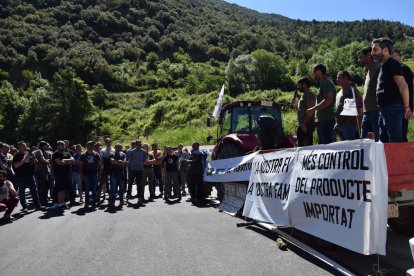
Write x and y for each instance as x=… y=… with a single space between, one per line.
x=392 y=92
x=370 y=109
x=324 y=109
x=306 y=122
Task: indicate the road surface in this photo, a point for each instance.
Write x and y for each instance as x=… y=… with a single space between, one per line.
x=165 y=239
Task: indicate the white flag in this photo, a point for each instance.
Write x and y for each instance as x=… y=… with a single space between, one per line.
x=217 y=109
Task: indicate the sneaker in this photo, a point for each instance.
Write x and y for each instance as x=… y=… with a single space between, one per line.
x=7 y=217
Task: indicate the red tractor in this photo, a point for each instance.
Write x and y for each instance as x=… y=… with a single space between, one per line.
x=245 y=126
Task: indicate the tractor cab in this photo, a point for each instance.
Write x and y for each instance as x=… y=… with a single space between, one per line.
x=247 y=125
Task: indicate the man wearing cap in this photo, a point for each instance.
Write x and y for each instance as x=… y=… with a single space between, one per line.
x=90 y=169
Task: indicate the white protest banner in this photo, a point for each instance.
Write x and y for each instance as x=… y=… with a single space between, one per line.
x=337 y=192
x=229 y=170
x=269 y=187
x=341 y=193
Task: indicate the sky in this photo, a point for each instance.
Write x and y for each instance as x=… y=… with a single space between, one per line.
x=334 y=10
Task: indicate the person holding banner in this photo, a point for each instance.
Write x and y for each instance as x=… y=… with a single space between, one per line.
x=324 y=109
x=348 y=108
x=306 y=122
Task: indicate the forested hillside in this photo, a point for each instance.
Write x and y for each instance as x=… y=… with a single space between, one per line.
x=58 y=55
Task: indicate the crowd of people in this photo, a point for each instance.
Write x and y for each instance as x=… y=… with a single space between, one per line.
x=383 y=110
x=71 y=174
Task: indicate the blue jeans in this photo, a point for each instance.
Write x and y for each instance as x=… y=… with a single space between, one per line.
x=117 y=180
x=326 y=132
x=370 y=124
x=24 y=182
x=390 y=123
x=76 y=183
x=91 y=182
x=346 y=131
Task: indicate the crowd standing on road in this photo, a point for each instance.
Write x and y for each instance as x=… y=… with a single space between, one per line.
x=55 y=178
x=70 y=176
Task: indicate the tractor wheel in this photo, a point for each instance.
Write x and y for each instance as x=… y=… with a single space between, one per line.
x=404 y=224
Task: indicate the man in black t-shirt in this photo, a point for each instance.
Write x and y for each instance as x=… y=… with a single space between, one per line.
x=170 y=162
x=62 y=162
x=23 y=165
x=392 y=92
x=90 y=170
x=408 y=76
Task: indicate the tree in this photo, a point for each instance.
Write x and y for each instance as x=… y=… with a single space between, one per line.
x=100 y=96
x=11 y=108
x=270 y=70
x=240 y=74
x=152 y=60
x=61 y=111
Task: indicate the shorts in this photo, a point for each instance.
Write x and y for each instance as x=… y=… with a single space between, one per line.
x=62 y=183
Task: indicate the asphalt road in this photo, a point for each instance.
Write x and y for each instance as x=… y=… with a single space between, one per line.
x=166 y=239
